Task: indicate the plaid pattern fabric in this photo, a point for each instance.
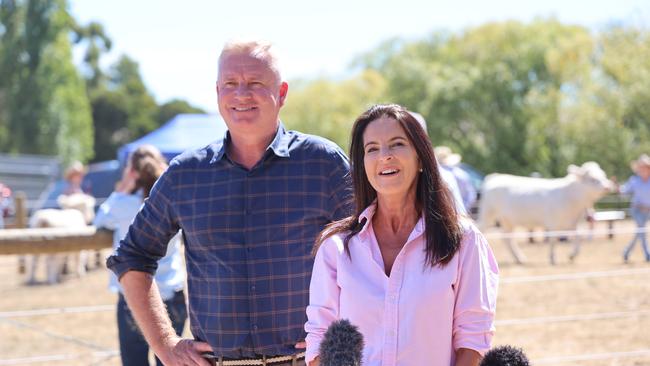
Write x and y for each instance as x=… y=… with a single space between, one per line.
x=248 y=237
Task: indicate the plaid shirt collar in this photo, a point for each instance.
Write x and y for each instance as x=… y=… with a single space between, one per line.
x=279 y=145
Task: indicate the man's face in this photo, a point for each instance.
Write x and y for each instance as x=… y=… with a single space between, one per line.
x=250 y=95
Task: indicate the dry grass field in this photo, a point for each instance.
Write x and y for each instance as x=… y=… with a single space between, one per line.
x=593 y=312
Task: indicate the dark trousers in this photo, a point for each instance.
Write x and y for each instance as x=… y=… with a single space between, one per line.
x=134 y=350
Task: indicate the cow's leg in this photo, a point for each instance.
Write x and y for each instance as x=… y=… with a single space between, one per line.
x=551 y=244
x=22 y=264
x=82 y=262
x=31 y=273
x=518 y=255
x=54 y=264
x=98 y=258
x=576 y=248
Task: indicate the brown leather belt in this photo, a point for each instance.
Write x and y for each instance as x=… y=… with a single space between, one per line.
x=291 y=360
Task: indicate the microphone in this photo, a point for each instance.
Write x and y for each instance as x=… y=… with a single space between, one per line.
x=505 y=356
x=342 y=345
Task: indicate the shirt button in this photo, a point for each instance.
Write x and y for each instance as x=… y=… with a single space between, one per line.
x=253 y=288
x=255 y=327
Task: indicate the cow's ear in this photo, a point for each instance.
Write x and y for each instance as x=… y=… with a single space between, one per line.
x=575 y=170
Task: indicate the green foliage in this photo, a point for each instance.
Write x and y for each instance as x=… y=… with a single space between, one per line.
x=45 y=109
x=125 y=79
x=174 y=107
x=97 y=42
x=518 y=98
x=510 y=97
x=123 y=109
x=328 y=108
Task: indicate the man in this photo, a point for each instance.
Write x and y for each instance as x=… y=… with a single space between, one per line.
x=450 y=161
x=250 y=206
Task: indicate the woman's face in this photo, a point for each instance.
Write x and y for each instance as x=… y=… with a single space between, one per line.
x=391 y=162
x=644 y=172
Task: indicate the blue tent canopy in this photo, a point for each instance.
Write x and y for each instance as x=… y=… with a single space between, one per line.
x=183 y=132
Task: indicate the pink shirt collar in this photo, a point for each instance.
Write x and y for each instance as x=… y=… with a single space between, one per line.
x=369 y=212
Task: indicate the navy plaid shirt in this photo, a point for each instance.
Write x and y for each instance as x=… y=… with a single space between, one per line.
x=248 y=237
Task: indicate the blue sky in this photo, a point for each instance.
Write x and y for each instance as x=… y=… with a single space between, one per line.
x=177 y=43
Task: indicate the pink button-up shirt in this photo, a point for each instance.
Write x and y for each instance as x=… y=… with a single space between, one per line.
x=419 y=315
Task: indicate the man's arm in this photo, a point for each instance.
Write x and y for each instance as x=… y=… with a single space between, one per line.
x=146 y=305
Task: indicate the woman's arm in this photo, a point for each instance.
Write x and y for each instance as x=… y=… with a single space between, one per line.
x=324 y=295
x=476 y=294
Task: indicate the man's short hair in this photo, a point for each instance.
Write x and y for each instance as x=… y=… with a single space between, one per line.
x=259 y=49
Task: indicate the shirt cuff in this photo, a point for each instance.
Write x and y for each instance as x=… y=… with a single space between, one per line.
x=313 y=348
x=120 y=266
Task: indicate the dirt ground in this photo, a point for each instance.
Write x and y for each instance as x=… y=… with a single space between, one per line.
x=595 y=311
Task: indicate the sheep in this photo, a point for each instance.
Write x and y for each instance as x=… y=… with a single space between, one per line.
x=77 y=210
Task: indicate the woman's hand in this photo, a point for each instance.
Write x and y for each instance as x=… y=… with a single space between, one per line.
x=315 y=362
x=127 y=183
x=467 y=357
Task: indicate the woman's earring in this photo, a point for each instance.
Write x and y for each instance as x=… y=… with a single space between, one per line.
x=420 y=170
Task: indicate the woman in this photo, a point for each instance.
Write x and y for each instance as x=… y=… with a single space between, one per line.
x=418 y=280
x=143 y=168
x=638 y=186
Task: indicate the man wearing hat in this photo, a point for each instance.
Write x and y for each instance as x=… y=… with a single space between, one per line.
x=449 y=161
x=74 y=175
x=638 y=186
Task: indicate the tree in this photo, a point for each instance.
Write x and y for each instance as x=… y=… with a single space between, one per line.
x=123 y=110
x=46 y=110
x=97 y=42
x=10 y=41
x=329 y=109
x=174 y=107
x=492 y=92
x=611 y=120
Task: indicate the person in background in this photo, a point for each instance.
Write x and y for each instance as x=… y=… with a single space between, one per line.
x=449 y=161
x=638 y=186
x=447 y=176
x=74 y=176
x=418 y=279
x=143 y=168
x=5 y=203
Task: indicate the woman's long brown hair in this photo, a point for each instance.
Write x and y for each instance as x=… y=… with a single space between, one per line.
x=433 y=199
x=149 y=163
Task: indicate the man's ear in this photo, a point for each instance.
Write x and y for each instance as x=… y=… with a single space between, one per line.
x=284 y=89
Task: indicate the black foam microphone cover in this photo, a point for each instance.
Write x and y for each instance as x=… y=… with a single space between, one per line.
x=342 y=345
x=505 y=356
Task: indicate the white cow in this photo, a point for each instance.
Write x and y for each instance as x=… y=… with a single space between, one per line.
x=77 y=210
x=553 y=204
